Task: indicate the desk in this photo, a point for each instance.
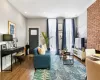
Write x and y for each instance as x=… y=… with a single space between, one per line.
x=6 y=52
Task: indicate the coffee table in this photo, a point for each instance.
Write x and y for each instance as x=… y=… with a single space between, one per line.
x=68 y=58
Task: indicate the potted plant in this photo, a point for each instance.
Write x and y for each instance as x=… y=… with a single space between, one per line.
x=65 y=52
x=46 y=38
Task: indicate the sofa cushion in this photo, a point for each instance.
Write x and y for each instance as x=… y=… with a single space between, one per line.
x=35 y=51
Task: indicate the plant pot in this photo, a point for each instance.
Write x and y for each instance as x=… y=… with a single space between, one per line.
x=48 y=49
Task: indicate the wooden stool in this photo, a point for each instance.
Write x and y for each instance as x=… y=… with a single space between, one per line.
x=19 y=57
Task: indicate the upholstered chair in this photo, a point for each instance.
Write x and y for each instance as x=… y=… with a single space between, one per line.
x=89 y=52
x=93 y=69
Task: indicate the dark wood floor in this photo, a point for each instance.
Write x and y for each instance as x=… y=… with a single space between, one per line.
x=25 y=71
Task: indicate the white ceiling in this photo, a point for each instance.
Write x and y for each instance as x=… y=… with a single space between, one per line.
x=51 y=8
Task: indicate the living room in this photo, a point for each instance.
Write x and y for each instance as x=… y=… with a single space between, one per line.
x=42 y=42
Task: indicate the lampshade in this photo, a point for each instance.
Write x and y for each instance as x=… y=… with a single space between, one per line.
x=7 y=37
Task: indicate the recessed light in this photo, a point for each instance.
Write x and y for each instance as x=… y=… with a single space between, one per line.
x=25 y=12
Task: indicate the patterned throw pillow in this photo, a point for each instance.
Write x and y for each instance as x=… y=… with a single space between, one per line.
x=41 y=51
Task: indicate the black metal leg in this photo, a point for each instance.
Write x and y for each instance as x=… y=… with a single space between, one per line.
x=1 y=63
x=15 y=60
x=11 y=62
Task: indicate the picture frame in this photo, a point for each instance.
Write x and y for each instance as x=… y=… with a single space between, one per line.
x=3 y=46
x=11 y=28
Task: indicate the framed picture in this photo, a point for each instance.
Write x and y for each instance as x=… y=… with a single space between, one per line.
x=11 y=28
x=3 y=46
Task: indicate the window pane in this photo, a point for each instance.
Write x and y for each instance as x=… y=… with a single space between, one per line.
x=69 y=34
x=52 y=34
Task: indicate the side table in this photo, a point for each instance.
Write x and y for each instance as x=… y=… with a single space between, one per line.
x=68 y=58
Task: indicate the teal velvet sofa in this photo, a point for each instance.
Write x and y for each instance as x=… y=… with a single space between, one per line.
x=41 y=61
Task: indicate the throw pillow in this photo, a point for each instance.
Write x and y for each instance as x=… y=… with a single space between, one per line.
x=41 y=51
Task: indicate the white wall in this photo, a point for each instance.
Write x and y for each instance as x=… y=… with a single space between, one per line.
x=9 y=13
x=82 y=25
x=37 y=23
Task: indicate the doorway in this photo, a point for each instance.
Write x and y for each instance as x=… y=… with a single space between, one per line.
x=33 y=39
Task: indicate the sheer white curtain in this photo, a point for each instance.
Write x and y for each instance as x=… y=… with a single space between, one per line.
x=69 y=34
x=52 y=34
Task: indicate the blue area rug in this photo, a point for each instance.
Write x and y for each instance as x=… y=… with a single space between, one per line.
x=58 y=71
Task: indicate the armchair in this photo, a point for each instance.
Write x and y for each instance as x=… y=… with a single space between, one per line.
x=90 y=52
x=93 y=69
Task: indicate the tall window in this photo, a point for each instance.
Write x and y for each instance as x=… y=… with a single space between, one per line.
x=69 y=34
x=52 y=34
